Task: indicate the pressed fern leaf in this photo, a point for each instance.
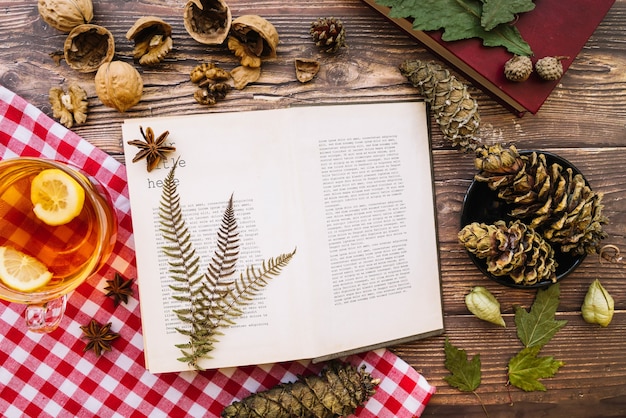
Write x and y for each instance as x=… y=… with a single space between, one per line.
x=213 y=299
x=184 y=266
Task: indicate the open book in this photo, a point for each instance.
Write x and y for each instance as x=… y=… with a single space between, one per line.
x=349 y=186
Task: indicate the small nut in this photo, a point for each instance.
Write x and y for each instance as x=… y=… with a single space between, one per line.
x=119 y=85
x=207 y=21
x=518 y=68
x=65 y=15
x=153 y=39
x=306 y=69
x=87 y=47
x=259 y=36
x=550 y=68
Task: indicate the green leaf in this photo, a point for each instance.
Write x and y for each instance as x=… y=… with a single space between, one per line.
x=465 y=374
x=537 y=327
x=525 y=369
x=459 y=19
x=496 y=12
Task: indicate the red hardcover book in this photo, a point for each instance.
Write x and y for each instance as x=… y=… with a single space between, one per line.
x=553 y=28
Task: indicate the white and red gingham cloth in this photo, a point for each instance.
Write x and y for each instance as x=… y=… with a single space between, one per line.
x=50 y=375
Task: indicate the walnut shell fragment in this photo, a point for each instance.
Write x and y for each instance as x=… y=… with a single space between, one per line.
x=242 y=76
x=306 y=69
x=69 y=107
x=119 y=85
x=253 y=38
x=207 y=21
x=87 y=47
x=153 y=39
x=65 y=15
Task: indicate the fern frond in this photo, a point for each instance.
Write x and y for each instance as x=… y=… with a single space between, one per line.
x=224 y=260
x=248 y=286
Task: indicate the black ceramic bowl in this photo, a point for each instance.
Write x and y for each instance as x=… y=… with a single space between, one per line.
x=481 y=204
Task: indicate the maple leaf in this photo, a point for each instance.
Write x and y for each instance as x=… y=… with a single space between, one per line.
x=537 y=327
x=465 y=374
x=496 y=12
x=459 y=19
x=525 y=369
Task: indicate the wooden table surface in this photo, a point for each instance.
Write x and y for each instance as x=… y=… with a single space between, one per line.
x=584 y=121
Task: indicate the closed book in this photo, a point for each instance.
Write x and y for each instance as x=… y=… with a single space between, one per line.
x=552 y=28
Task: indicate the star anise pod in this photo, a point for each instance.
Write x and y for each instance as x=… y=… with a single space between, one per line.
x=100 y=337
x=119 y=289
x=153 y=150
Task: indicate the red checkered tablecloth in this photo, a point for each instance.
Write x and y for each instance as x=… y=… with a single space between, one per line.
x=50 y=375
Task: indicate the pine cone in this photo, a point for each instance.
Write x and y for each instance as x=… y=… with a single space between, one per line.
x=338 y=391
x=511 y=250
x=328 y=33
x=555 y=202
x=455 y=110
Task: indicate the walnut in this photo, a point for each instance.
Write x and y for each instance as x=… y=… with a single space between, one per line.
x=119 y=85
x=65 y=15
x=253 y=38
x=87 y=47
x=153 y=39
x=207 y=21
x=306 y=69
x=213 y=82
x=242 y=76
x=69 y=107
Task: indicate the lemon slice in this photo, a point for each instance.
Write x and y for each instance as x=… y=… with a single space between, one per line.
x=22 y=272
x=56 y=196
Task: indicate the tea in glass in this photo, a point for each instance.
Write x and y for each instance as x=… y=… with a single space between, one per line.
x=71 y=238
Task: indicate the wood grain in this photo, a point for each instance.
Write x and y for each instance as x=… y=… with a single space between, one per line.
x=584 y=121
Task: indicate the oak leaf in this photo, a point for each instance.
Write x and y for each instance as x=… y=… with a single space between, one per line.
x=496 y=12
x=459 y=19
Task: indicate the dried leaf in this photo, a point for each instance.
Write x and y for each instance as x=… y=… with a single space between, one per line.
x=537 y=327
x=525 y=369
x=465 y=374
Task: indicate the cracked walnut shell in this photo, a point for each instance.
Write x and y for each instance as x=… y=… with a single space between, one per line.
x=253 y=37
x=207 y=21
x=65 y=15
x=87 y=47
x=153 y=39
x=119 y=85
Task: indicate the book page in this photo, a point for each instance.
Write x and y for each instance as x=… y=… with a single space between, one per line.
x=353 y=196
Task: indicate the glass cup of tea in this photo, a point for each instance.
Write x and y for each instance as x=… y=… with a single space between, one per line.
x=57 y=228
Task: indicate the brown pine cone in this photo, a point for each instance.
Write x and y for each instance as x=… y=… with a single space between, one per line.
x=552 y=200
x=328 y=33
x=513 y=250
x=455 y=110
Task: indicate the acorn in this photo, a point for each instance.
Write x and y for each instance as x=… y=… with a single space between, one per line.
x=518 y=68
x=550 y=68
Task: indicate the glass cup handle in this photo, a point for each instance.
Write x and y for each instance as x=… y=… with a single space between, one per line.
x=46 y=316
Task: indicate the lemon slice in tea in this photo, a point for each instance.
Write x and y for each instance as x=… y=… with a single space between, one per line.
x=22 y=272
x=56 y=196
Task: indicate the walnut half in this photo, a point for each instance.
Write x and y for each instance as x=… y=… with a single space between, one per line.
x=153 y=39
